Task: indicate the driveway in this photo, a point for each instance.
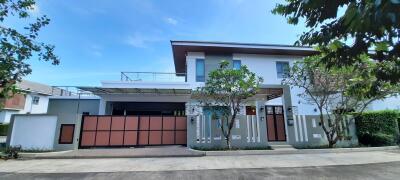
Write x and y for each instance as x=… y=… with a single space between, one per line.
x=365 y=171
x=196 y=163
x=151 y=151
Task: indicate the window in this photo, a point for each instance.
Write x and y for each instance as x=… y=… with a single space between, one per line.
x=282 y=68
x=250 y=110
x=35 y=100
x=66 y=134
x=200 y=70
x=237 y=64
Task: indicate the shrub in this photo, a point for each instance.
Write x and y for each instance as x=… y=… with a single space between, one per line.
x=378 y=128
x=11 y=153
x=3 y=129
x=378 y=139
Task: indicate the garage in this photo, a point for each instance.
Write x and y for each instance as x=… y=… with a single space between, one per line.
x=132 y=131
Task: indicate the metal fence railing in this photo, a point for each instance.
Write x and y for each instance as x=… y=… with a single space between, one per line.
x=153 y=77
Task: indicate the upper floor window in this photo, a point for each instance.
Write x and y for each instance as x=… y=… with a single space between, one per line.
x=200 y=70
x=35 y=100
x=237 y=64
x=282 y=69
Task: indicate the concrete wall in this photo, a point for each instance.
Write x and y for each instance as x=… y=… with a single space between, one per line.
x=309 y=132
x=69 y=111
x=33 y=132
x=205 y=132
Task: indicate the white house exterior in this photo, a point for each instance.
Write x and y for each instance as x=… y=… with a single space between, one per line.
x=33 y=100
x=148 y=108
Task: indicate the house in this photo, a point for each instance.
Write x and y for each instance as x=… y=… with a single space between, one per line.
x=33 y=99
x=150 y=108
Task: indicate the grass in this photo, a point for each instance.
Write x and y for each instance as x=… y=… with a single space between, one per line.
x=233 y=149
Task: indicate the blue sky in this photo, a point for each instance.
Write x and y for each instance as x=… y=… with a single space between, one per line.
x=96 y=39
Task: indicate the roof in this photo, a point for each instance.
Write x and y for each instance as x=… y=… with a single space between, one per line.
x=180 y=48
x=103 y=90
x=30 y=86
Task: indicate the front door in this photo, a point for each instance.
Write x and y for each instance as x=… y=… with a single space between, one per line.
x=275 y=123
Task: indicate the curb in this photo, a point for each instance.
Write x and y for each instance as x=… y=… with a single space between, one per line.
x=27 y=157
x=297 y=151
x=60 y=155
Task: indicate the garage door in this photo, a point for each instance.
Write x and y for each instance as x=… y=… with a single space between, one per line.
x=128 y=131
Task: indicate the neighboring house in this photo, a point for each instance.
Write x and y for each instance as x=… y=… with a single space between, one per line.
x=33 y=99
x=150 y=108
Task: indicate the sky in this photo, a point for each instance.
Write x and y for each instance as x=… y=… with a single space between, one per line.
x=97 y=39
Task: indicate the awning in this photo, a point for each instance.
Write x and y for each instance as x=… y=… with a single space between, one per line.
x=103 y=90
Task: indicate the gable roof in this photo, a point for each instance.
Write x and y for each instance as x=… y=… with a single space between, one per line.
x=180 y=48
x=35 y=87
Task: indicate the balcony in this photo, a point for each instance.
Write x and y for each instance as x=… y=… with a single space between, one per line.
x=152 y=77
x=70 y=91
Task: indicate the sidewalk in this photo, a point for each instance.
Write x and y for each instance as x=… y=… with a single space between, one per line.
x=180 y=151
x=196 y=163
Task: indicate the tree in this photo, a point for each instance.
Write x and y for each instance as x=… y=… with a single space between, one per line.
x=336 y=91
x=347 y=30
x=226 y=90
x=18 y=45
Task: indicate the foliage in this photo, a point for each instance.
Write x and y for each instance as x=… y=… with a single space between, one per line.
x=347 y=30
x=17 y=45
x=4 y=129
x=225 y=90
x=378 y=128
x=11 y=153
x=336 y=91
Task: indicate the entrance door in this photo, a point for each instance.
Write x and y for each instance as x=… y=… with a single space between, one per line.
x=275 y=123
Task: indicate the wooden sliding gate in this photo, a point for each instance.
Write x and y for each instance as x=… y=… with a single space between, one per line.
x=129 y=131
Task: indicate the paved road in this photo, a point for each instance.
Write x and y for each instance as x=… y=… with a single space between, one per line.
x=389 y=170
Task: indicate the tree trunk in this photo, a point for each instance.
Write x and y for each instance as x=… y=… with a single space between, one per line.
x=228 y=143
x=331 y=144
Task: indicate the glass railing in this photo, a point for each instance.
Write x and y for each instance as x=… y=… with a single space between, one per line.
x=152 y=77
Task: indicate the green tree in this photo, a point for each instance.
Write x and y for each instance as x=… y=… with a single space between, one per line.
x=348 y=30
x=336 y=91
x=17 y=45
x=225 y=91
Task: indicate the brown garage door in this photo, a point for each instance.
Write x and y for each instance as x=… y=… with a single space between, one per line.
x=128 y=131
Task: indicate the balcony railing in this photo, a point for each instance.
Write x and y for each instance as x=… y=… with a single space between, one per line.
x=71 y=91
x=152 y=77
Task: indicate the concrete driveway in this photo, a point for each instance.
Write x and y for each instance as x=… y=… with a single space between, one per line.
x=146 y=152
x=196 y=163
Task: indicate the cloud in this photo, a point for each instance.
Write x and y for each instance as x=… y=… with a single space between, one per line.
x=170 y=20
x=34 y=9
x=141 y=40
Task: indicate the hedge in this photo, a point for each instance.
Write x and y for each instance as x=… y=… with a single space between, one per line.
x=378 y=128
x=3 y=129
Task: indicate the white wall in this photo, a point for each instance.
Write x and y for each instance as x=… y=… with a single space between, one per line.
x=191 y=68
x=5 y=115
x=34 y=131
x=265 y=67
x=390 y=103
x=40 y=108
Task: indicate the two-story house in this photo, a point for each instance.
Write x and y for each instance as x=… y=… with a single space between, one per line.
x=148 y=108
x=33 y=99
